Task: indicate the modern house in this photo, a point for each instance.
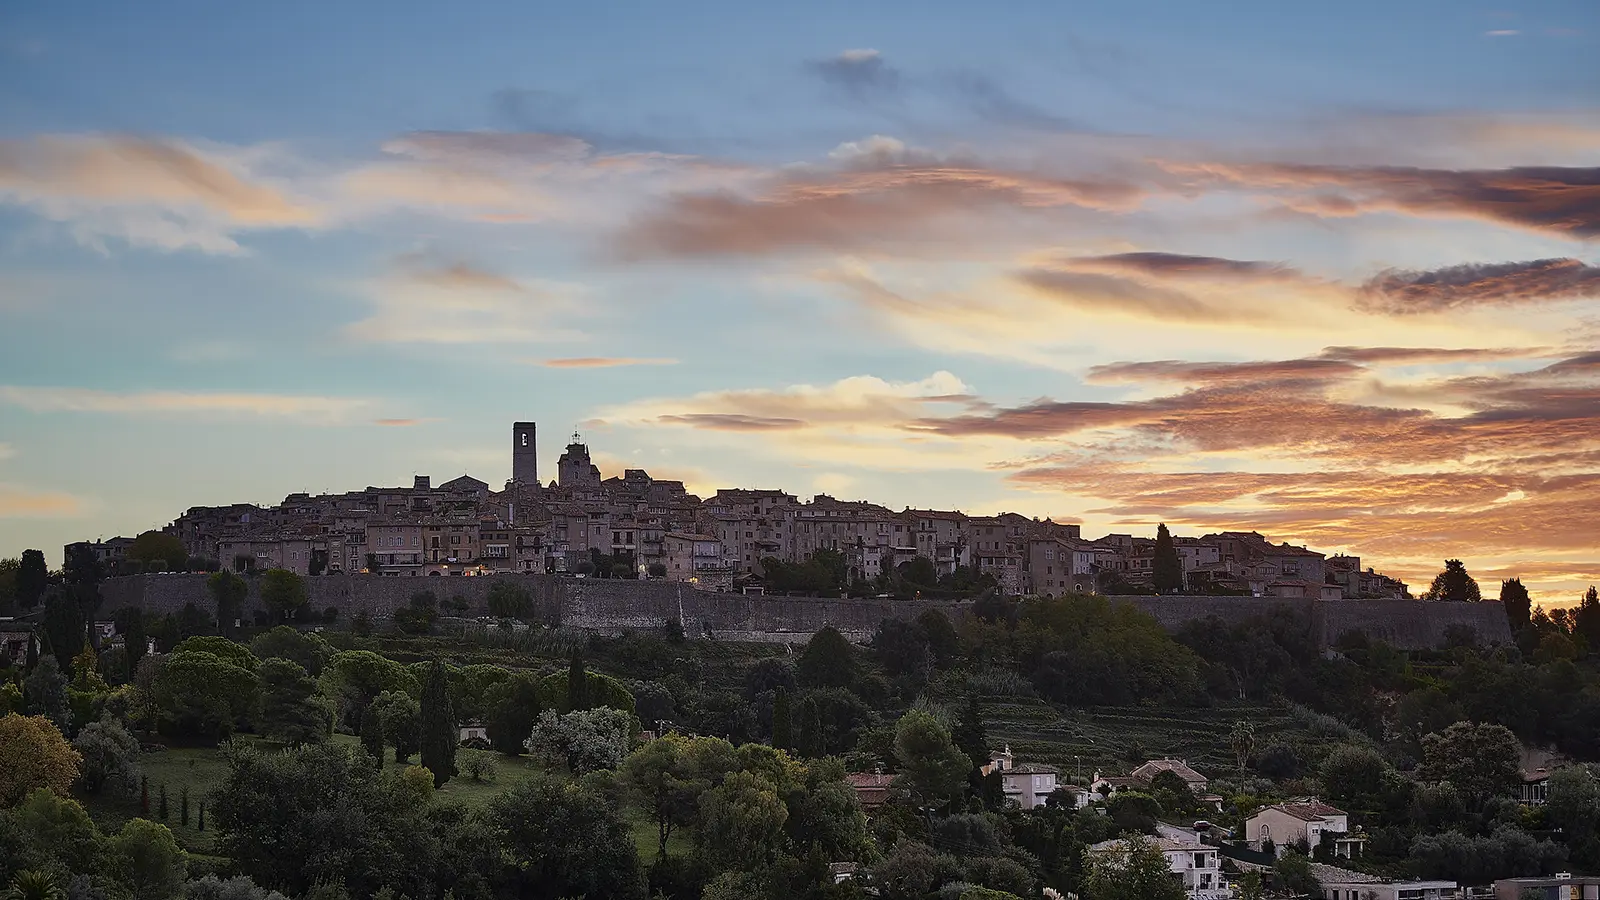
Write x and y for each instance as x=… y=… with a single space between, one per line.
x=1197 y=865
x=1561 y=886
x=1343 y=884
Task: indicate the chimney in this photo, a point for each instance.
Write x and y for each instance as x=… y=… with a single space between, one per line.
x=421 y=483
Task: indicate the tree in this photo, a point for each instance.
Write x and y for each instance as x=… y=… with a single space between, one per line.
x=33 y=576
x=158 y=552
x=372 y=734
x=33 y=754
x=418 y=616
x=283 y=593
x=129 y=622
x=1242 y=740
x=63 y=627
x=585 y=739
x=319 y=813
x=291 y=711
x=1353 y=770
x=577 y=684
x=1292 y=872
x=147 y=861
x=402 y=723
x=228 y=591
x=828 y=660
x=782 y=737
x=63 y=839
x=666 y=777
x=969 y=735
x=741 y=823
x=559 y=838
x=352 y=678
x=200 y=693
x=930 y=766
x=1453 y=584
x=286 y=642
x=45 y=692
x=508 y=599
x=1480 y=759
x=439 y=732
x=513 y=707
x=1586 y=618
x=109 y=755
x=1514 y=598
x=1131 y=869
x=1166 y=569
x=32 y=884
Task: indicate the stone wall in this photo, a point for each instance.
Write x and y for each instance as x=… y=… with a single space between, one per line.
x=614 y=605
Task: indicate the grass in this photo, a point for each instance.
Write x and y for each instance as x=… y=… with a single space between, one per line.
x=1112 y=739
x=202 y=770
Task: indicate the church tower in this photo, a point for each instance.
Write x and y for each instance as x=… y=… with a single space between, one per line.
x=525 y=453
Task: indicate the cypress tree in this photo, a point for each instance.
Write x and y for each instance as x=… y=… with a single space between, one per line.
x=183 y=806
x=1166 y=569
x=577 y=684
x=200 y=824
x=372 y=734
x=144 y=797
x=1516 y=602
x=969 y=736
x=782 y=723
x=439 y=734
x=161 y=808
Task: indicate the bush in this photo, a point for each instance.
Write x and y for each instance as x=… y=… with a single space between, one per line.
x=479 y=766
x=418 y=781
x=110 y=756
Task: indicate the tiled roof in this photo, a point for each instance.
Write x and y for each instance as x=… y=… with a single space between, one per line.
x=1311 y=811
x=1177 y=767
x=1032 y=769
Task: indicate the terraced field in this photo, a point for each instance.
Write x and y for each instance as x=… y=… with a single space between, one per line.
x=1110 y=738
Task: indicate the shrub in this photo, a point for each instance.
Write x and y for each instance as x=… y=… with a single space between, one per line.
x=479 y=766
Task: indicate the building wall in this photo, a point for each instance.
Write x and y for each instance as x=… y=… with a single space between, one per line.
x=606 y=605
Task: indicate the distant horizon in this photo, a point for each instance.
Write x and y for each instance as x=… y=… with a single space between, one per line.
x=1328 y=274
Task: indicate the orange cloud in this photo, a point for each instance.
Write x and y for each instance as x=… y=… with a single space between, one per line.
x=602 y=362
x=26 y=503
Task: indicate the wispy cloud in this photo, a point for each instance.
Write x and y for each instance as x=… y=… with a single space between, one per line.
x=605 y=362
x=17 y=502
x=1498 y=284
x=861 y=73
x=309 y=408
x=431 y=300
x=152 y=192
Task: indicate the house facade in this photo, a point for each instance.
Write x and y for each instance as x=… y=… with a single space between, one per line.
x=1342 y=884
x=1028 y=785
x=1311 y=821
x=1198 y=866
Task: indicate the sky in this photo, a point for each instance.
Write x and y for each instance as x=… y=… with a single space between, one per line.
x=1325 y=271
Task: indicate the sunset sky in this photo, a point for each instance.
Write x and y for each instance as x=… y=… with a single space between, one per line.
x=1326 y=271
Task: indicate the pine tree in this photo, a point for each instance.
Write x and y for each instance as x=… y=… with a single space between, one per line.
x=1166 y=569
x=183 y=806
x=161 y=808
x=781 y=721
x=144 y=797
x=372 y=734
x=1453 y=584
x=577 y=684
x=439 y=733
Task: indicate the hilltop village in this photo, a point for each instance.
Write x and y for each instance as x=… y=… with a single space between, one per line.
x=639 y=526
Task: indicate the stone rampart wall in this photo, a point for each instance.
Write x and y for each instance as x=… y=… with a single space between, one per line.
x=613 y=605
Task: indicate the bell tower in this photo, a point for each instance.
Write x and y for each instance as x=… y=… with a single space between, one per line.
x=525 y=453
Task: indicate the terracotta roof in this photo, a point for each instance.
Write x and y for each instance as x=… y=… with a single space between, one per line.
x=1032 y=769
x=1311 y=811
x=1178 y=767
